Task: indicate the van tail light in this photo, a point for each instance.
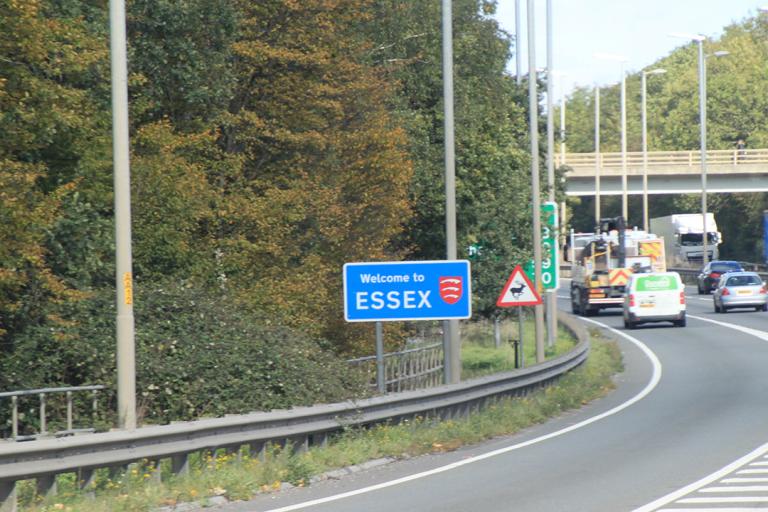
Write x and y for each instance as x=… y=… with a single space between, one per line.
x=631 y=300
x=763 y=290
x=726 y=292
x=682 y=297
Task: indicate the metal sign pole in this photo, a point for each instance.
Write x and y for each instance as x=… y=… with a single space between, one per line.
x=520 y=352
x=381 y=383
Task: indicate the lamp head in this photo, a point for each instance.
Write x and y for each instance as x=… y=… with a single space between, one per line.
x=721 y=53
x=691 y=37
x=657 y=71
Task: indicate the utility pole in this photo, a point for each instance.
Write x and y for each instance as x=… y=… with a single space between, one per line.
x=126 y=351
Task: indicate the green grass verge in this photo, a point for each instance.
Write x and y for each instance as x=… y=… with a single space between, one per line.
x=241 y=476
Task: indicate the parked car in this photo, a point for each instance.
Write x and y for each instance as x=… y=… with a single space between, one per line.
x=740 y=290
x=711 y=272
x=654 y=297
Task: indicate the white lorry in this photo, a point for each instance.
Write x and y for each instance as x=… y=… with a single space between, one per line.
x=684 y=239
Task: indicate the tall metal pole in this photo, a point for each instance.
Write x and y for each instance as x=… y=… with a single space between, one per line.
x=551 y=295
x=518 y=72
x=562 y=128
x=452 y=341
x=533 y=113
x=126 y=351
x=597 y=155
x=644 y=119
x=624 y=197
x=703 y=135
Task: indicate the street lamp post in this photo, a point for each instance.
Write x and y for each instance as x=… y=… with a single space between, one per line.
x=656 y=71
x=452 y=340
x=551 y=294
x=533 y=106
x=699 y=39
x=624 y=197
x=597 y=155
x=518 y=75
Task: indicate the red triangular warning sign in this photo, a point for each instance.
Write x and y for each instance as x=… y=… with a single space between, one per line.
x=519 y=291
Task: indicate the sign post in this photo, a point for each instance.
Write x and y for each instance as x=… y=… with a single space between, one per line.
x=519 y=291
x=409 y=290
x=549 y=266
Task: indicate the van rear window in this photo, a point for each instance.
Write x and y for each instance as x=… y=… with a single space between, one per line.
x=651 y=283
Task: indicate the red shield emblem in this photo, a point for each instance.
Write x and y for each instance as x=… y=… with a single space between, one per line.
x=451 y=289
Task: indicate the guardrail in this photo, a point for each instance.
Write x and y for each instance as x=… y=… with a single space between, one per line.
x=43 y=460
x=689 y=275
x=665 y=158
x=407 y=369
x=43 y=417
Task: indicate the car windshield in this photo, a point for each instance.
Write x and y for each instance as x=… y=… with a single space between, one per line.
x=743 y=281
x=725 y=267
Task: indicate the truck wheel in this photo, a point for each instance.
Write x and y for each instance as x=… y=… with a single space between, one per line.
x=574 y=303
x=681 y=322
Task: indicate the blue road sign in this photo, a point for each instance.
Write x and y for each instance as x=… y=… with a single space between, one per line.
x=408 y=290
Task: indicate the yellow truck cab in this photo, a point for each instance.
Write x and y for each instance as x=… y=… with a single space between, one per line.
x=654 y=297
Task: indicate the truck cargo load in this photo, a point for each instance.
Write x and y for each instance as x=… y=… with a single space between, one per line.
x=602 y=263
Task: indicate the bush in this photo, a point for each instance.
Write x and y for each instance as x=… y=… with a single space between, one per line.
x=197 y=354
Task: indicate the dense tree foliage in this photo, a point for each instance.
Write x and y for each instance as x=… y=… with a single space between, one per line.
x=271 y=142
x=737 y=108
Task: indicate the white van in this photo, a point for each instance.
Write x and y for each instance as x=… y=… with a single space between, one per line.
x=654 y=297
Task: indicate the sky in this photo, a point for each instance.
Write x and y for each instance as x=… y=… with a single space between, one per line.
x=636 y=29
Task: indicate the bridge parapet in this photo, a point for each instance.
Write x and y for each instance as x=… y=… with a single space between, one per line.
x=745 y=161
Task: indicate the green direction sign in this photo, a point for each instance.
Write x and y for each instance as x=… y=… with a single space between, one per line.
x=549 y=267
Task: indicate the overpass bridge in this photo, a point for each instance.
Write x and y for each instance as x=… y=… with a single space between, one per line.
x=669 y=172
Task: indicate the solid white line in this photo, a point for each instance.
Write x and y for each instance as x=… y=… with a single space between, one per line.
x=735 y=499
x=730 y=468
x=754 y=480
x=752 y=472
x=718 y=509
x=752 y=332
x=736 y=488
x=655 y=378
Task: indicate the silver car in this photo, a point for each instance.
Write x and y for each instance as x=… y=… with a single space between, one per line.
x=740 y=290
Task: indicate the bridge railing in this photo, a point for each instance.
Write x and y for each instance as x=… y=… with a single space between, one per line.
x=691 y=158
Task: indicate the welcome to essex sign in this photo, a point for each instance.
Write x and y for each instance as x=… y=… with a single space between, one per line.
x=409 y=290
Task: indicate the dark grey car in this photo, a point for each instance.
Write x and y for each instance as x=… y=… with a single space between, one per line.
x=710 y=274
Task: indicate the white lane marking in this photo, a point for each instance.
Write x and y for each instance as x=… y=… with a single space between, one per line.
x=655 y=378
x=735 y=499
x=688 y=297
x=736 y=488
x=747 y=330
x=718 y=509
x=756 y=480
x=730 y=468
